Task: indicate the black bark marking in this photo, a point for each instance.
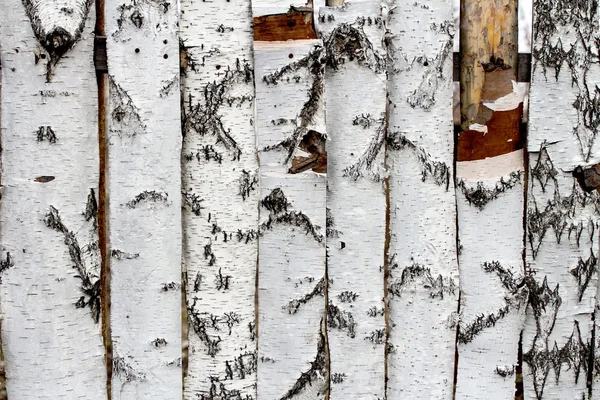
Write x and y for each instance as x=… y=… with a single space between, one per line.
x=198 y=282
x=416 y=274
x=53 y=37
x=247 y=183
x=505 y=371
x=517 y=297
x=366 y=162
x=205 y=117
x=584 y=271
x=90 y=282
x=338 y=377
x=331 y=232
x=134 y=17
x=148 y=196
x=349 y=42
x=159 y=342
x=209 y=255
x=558 y=212
x=314 y=62
x=347 y=296
x=222 y=281
x=479 y=196
x=6 y=264
x=193 y=202
x=44 y=179
x=293 y=306
x=276 y=202
x=580 y=17
x=207 y=153
x=166 y=287
x=376 y=312
x=208 y=326
x=46 y=133
x=125 y=371
x=121 y=255
x=169 y=85
x=126 y=119
x=218 y=391
x=245 y=364
x=315 y=374
x=341 y=320
x=377 y=337
x=438 y=171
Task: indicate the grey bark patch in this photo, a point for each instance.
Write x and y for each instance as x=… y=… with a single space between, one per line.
x=125 y=371
x=126 y=119
x=148 y=196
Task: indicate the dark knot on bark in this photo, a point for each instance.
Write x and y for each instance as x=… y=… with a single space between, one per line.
x=58 y=42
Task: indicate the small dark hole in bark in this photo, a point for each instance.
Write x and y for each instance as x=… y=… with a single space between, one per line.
x=43 y=56
x=425 y=63
x=291 y=55
x=13 y=69
x=342 y=245
x=165 y=41
x=17 y=51
x=166 y=56
x=218 y=66
x=137 y=50
x=291 y=23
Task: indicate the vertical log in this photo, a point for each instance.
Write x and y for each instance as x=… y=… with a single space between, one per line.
x=356 y=200
x=50 y=259
x=290 y=131
x=562 y=206
x=423 y=270
x=220 y=196
x=144 y=198
x=490 y=202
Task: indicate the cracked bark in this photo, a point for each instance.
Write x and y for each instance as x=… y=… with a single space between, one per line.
x=353 y=39
x=144 y=157
x=562 y=211
x=289 y=117
x=422 y=265
x=50 y=159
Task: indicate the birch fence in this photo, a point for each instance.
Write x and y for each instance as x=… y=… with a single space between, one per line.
x=267 y=199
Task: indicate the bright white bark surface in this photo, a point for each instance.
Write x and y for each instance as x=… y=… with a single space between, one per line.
x=220 y=196
x=493 y=301
x=356 y=202
x=289 y=116
x=144 y=178
x=49 y=254
x=423 y=281
x=562 y=219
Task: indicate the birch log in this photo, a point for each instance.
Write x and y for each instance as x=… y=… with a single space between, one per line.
x=490 y=203
x=562 y=206
x=220 y=196
x=290 y=131
x=50 y=258
x=356 y=202
x=423 y=269
x=144 y=178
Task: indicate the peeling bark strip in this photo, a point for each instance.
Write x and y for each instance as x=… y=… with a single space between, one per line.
x=144 y=152
x=220 y=189
x=353 y=37
x=563 y=209
x=422 y=265
x=290 y=133
x=49 y=245
x=490 y=202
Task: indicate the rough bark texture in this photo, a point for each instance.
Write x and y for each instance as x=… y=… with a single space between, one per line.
x=290 y=132
x=144 y=198
x=220 y=195
x=49 y=253
x=562 y=207
x=490 y=203
x=422 y=264
x=356 y=203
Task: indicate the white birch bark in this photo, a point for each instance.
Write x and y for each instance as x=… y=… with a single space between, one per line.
x=49 y=252
x=144 y=178
x=290 y=133
x=490 y=205
x=423 y=270
x=562 y=213
x=220 y=196
x=356 y=202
